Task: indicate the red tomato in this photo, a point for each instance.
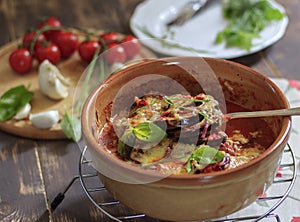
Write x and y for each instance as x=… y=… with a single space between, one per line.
x=109 y=37
x=20 y=60
x=51 y=22
x=28 y=38
x=67 y=42
x=87 y=49
x=114 y=53
x=132 y=46
x=48 y=50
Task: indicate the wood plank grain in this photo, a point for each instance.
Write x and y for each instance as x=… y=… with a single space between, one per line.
x=284 y=55
x=8 y=18
x=22 y=191
x=59 y=161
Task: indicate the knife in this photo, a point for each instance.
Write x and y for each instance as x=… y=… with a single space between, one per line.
x=187 y=11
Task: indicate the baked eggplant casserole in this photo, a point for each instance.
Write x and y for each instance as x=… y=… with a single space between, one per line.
x=183 y=134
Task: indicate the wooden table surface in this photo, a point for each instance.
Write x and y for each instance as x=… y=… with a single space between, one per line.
x=33 y=172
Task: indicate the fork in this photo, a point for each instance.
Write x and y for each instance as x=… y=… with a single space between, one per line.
x=187 y=12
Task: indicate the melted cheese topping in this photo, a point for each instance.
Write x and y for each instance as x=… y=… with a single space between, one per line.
x=171 y=155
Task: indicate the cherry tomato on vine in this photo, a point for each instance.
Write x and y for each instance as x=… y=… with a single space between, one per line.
x=51 y=22
x=109 y=37
x=131 y=46
x=87 y=49
x=114 y=53
x=20 y=60
x=67 y=42
x=48 y=50
x=29 y=37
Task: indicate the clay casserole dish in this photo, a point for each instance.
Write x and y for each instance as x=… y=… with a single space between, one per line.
x=187 y=197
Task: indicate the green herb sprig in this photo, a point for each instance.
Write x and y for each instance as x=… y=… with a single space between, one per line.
x=169 y=101
x=71 y=124
x=247 y=18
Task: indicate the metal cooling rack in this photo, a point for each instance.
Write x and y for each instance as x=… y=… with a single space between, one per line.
x=100 y=197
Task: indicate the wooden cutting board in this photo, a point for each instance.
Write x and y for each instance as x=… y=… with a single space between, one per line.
x=71 y=68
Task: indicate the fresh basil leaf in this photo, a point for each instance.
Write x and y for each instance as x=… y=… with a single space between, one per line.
x=13 y=100
x=204 y=155
x=71 y=127
x=148 y=132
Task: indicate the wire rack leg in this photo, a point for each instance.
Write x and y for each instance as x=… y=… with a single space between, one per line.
x=61 y=196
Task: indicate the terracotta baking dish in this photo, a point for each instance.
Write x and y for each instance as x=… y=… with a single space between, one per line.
x=187 y=197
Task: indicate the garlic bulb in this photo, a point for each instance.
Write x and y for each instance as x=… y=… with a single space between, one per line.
x=51 y=82
x=23 y=113
x=44 y=120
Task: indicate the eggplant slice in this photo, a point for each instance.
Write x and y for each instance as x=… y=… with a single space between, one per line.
x=185 y=118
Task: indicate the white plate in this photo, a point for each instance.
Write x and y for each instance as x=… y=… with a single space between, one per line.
x=196 y=37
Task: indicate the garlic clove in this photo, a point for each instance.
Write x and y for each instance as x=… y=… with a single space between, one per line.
x=51 y=82
x=23 y=113
x=44 y=120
